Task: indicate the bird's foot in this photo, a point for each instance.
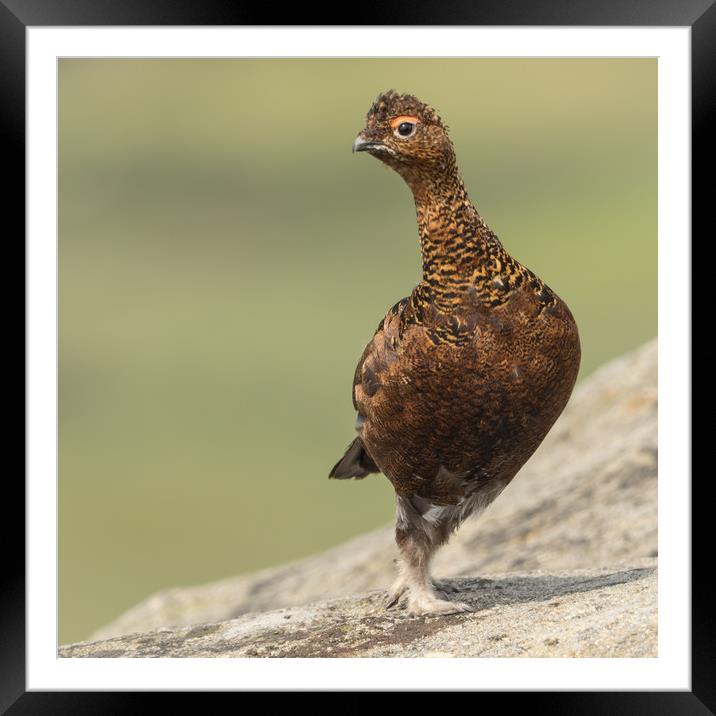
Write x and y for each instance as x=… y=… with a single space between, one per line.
x=429 y=604
x=396 y=592
x=424 y=600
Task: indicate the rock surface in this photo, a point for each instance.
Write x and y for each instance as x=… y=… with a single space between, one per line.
x=570 y=546
x=582 y=613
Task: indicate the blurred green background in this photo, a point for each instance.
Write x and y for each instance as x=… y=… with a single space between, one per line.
x=224 y=259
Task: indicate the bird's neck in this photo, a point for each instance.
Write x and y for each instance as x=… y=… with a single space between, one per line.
x=457 y=246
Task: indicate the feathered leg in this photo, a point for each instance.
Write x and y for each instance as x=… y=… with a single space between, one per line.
x=418 y=539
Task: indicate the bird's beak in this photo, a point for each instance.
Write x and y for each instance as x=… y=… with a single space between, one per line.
x=362 y=144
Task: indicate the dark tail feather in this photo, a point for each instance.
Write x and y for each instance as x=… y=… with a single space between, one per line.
x=355 y=463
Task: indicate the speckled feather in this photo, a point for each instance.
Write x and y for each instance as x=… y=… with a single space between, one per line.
x=463 y=378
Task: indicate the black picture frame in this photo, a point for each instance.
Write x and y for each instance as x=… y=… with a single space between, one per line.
x=17 y=15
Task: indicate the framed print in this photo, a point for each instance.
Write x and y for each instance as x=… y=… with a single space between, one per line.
x=204 y=257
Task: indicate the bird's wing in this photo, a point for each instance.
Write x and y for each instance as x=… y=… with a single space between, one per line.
x=377 y=355
x=380 y=351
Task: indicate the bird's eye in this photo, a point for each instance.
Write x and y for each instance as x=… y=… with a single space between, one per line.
x=405 y=129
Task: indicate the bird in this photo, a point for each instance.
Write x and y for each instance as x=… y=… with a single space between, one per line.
x=463 y=378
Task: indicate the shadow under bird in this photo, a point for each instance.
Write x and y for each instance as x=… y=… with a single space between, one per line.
x=462 y=379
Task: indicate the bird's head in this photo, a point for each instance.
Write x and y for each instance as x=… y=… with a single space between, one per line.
x=407 y=135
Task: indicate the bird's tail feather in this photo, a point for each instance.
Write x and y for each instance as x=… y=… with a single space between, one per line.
x=355 y=463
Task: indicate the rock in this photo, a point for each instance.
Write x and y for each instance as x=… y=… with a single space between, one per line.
x=563 y=563
x=577 y=613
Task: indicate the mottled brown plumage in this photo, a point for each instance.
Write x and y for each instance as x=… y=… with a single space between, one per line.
x=463 y=378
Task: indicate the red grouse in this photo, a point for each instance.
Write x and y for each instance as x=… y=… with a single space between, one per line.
x=462 y=379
